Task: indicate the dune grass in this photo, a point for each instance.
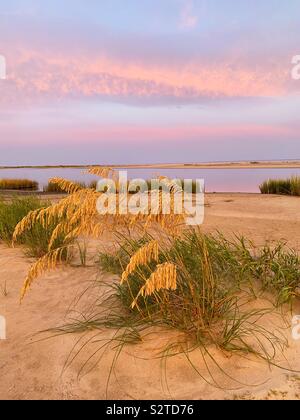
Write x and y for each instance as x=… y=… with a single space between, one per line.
x=198 y=287
x=11 y=212
x=77 y=216
x=236 y=262
x=35 y=240
x=54 y=188
x=290 y=186
x=18 y=184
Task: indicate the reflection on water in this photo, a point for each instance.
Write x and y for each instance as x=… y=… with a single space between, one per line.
x=216 y=180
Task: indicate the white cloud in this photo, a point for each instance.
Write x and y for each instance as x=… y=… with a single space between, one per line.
x=188 y=17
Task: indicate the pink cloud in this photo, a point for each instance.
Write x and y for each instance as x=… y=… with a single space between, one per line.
x=34 y=77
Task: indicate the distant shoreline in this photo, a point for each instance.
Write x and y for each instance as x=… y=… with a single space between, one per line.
x=285 y=164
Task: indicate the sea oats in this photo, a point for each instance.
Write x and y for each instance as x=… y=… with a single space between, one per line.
x=102 y=172
x=165 y=277
x=78 y=216
x=143 y=256
x=65 y=185
x=47 y=262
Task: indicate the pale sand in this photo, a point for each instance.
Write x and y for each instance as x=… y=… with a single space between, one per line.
x=267 y=164
x=33 y=370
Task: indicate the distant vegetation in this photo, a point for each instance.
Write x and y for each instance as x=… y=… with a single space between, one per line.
x=18 y=184
x=52 y=187
x=289 y=186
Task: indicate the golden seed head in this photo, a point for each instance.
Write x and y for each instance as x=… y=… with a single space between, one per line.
x=164 y=277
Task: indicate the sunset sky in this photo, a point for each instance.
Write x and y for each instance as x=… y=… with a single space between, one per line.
x=145 y=81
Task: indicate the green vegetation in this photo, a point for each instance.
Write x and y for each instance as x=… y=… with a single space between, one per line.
x=235 y=262
x=18 y=184
x=205 y=306
x=289 y=186
x=36 y=239
x=13 y=211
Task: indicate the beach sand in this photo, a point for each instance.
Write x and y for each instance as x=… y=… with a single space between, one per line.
x=32 y=369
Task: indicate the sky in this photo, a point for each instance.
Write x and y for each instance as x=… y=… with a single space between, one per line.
x=148 y=81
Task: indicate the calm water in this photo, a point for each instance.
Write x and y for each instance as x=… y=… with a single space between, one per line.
x=216 y=180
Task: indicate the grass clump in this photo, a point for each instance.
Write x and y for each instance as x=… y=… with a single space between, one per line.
x=116 y=263
x=236 y=262
x=289 y=186
x=198 y=287
x=18 y=184
x=13 y=211
x=35 y=240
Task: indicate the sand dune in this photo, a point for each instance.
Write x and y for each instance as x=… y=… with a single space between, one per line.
x=31 y=369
